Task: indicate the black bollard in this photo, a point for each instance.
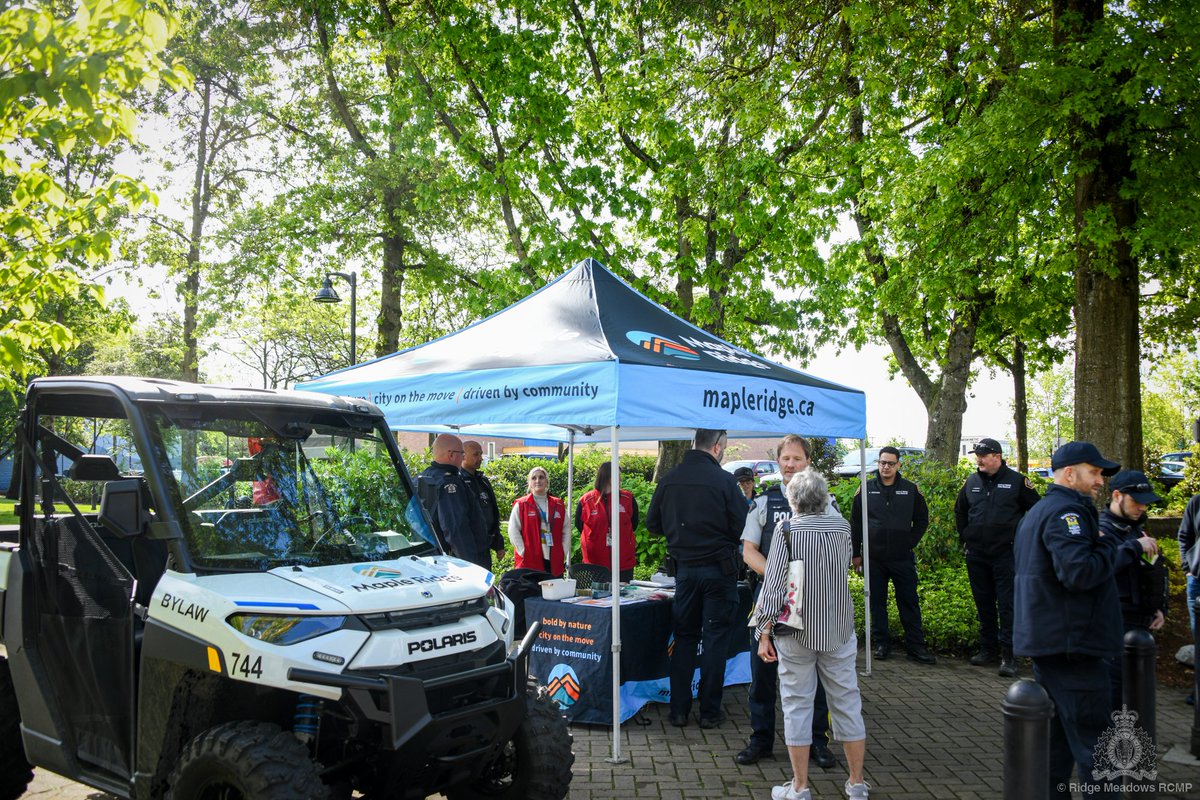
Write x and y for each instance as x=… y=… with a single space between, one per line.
x=1027 y=712
x=1196 y=682
x=1139 y=676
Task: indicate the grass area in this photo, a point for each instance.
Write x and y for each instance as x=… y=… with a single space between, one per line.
x=7 y=517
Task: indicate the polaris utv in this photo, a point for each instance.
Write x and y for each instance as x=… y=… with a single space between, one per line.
x=230 y=593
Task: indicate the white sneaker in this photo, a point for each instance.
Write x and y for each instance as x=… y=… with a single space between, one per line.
x=857 y=791
x=788 y=792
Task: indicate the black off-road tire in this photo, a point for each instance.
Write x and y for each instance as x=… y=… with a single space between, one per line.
x=15 y=772
x=535 y=764
x=246 y=761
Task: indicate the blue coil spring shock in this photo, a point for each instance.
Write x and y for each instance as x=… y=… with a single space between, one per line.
x=306 y=723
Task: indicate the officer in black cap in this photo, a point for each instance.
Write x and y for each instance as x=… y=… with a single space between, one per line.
x=986 y=513
x=1067 y=616
x=745 y=478
x=1142 y=580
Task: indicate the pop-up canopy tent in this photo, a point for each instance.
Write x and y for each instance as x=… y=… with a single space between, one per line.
x=588 y=358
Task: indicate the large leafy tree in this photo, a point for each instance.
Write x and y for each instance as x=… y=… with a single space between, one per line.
x=63 y=79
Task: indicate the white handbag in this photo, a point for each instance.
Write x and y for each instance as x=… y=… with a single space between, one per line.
x=792 y=614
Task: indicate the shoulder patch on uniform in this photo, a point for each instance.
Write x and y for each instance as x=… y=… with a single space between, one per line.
x=858 y=490
x=1028 y=484
x=1072 y=520
x=451 y=488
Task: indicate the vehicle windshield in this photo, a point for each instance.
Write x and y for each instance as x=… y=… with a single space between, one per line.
x=258 y=488
x=851 y=459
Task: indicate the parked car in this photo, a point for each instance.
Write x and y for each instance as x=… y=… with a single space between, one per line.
x=1170 y=473
x=1042 y=472
x=1182 y=455
x=763 y=469
x=850 y=464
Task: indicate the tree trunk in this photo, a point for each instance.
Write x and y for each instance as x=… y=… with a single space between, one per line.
x=1108 y=404
x=670 y=454
x=1020 y=406
x=391 y=298
x=200 y=201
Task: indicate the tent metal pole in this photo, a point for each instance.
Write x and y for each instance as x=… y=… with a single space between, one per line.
x=866 y=549
x=568 y=526
x=615 y=584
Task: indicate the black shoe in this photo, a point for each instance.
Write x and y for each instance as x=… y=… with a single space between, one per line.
x=882 y=652
x=753 y=754
x=712 y=722
x=921 y=656
x=821 y=756
x=983 y=658
x=1008 y=666
x=678 y=720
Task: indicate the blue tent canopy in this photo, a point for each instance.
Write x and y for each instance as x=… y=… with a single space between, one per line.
x=587 y=352
x=588 y=358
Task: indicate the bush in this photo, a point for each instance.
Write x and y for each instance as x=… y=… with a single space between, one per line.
x=947 y=610
x=939 y=485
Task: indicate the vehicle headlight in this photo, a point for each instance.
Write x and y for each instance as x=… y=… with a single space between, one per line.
x=276 y=629
x=496 y=599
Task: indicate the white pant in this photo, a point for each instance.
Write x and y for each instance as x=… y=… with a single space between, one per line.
x=798 y=668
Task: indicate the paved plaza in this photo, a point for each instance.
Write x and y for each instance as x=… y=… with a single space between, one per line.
x=933 y=732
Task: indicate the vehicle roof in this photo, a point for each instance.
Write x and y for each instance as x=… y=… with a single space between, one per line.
x=161 y=390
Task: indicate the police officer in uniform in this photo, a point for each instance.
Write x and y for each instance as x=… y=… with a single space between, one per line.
x=1143 y=584
x=699 y=509
x=481 y=487
x=989 y=506
x=1068 y=615
x=454 y=511
x=766 y=511
x=897 y=517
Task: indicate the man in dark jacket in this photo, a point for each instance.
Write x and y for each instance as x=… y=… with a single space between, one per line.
x=481 y=487
x=897 y=517
x=986 y=513
x=1142 y=581
x=1189 y=557
x=452 y=508
x=1067 y=615
x=701 y=511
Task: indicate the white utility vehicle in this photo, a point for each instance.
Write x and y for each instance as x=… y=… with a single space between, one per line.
x=228 y=593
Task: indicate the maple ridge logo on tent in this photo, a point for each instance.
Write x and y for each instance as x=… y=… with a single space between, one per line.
x=662 y=345
x=563 y=685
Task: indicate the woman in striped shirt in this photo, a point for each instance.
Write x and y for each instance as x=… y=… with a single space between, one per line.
x=822 y=641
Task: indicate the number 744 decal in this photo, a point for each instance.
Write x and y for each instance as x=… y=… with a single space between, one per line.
x=247 y=666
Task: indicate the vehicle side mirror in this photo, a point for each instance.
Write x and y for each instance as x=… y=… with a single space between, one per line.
x=121 y=508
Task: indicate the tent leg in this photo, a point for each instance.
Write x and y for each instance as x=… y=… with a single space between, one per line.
x=866 y=549
x=568 y=525
x=615 y=585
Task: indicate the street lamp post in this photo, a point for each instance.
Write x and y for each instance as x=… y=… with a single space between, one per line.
x=328 y=295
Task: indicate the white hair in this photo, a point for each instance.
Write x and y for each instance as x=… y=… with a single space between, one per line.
x=808 y=493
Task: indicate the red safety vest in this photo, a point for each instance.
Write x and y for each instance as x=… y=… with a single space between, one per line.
x=593 y=515
x=531 y=534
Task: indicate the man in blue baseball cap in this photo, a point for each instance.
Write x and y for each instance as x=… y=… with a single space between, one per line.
x=1067 y=616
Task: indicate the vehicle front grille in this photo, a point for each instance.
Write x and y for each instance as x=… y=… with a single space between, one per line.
x=417 y=618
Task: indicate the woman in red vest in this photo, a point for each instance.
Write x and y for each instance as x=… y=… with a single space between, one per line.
x=536 y=527
x=591 y=518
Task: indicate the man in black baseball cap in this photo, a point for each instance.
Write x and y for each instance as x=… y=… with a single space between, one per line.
x=1067 y=615
x=988 y=509
x=745 y=478
x=1142 y=580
